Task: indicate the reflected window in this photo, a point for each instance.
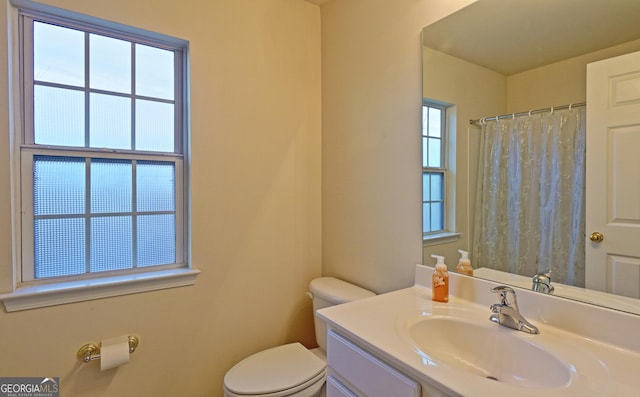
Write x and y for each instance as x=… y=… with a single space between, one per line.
x=434 y=170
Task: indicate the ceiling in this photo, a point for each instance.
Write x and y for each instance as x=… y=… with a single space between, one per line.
x=554 y=30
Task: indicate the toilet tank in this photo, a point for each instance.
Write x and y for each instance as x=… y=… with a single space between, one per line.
x=329 y=291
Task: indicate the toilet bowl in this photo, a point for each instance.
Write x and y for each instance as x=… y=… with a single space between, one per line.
x=288 y=370
x=292 y=370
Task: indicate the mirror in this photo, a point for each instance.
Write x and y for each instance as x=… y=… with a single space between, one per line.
x=498 y=57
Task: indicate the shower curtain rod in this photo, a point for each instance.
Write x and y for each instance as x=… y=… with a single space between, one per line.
x=530 y=112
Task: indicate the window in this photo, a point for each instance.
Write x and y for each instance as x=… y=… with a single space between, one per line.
x=438 y=173
x=433 y=168
x=102 y=148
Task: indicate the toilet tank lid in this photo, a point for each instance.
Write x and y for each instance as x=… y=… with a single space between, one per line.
x=337 y=291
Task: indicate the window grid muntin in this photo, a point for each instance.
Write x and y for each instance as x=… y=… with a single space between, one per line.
x=88 y=215
x=429 y=136
x=178 y=47
x=124 y=32
x=30 y=138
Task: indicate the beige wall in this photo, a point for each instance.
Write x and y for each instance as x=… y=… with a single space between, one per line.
x=371 y=123
x=255 y=122
x=560 y=83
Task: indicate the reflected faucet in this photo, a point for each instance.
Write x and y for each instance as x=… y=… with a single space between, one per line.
x=542 y=282
x=506 y=312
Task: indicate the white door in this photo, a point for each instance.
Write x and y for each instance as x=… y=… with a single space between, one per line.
x=613 y=175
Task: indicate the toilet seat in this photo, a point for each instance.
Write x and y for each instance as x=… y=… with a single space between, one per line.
x=275 y=372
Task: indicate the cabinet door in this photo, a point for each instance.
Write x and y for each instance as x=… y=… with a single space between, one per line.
x=367 y=374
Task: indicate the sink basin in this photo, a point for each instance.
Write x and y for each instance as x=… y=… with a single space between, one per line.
x=489 y=351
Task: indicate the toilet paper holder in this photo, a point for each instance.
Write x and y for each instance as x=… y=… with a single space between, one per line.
x=91 y=351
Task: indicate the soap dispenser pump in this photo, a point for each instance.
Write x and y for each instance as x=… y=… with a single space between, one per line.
x=464 y=265
x=440 y=281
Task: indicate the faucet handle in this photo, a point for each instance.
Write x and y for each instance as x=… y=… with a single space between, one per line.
x=542 y=282
x=504 y=292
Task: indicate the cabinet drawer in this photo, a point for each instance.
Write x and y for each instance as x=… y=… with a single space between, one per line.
x=337 y=389
x=365 y=372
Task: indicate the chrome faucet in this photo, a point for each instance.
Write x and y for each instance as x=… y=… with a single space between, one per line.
x=506 y=312
x=542 y=282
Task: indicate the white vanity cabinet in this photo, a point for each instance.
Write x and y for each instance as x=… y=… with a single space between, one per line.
x=355 y=373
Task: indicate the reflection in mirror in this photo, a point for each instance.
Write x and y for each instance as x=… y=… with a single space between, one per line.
x=500 y=57
x=529 y=211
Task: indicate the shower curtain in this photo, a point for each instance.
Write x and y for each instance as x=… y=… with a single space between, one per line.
x=529 y=214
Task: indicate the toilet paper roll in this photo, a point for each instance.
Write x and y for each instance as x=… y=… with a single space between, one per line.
x=114 y=352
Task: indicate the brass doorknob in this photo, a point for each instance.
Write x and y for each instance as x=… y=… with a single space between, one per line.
x=596 y=237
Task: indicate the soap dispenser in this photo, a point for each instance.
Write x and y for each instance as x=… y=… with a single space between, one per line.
x=464 y=265
x=440 y=281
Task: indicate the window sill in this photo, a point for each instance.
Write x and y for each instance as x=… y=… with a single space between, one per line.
x=440 y=238
x=36 y=296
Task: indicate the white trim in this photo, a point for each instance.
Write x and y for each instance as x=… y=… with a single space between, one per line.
x=180 y=227
x=27 y=227
x=440 y=238
x=451 y=175
x=36 y=296
x=15 y=139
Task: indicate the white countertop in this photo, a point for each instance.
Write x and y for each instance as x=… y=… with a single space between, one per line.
x=599 y=298
x=604 y=366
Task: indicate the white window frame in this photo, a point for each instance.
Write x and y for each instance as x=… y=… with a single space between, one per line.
x=27 y=293
x=448 y=147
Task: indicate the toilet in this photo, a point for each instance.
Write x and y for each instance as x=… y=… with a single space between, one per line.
x=292 y=370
